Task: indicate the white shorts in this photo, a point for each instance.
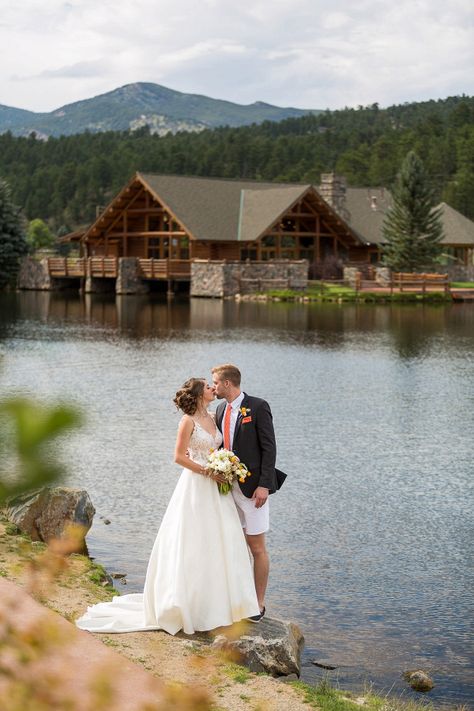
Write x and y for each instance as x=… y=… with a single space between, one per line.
x=253 y=520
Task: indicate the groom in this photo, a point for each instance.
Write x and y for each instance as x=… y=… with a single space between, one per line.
x=247 y=427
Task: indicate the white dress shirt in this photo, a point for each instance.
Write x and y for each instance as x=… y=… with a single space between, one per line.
x=235 y=404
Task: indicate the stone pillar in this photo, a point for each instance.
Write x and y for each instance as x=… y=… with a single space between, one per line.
x=350 y=276
x=298 y=274
x=128 y=277
x=383 y=276
x=207 y=278
x=34 y=274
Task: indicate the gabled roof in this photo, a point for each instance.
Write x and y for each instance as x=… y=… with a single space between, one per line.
x=364 y=210
x=260 y=208
x=223 y=210
x=457 y=228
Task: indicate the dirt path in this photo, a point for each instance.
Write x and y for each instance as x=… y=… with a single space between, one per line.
x=171 y=659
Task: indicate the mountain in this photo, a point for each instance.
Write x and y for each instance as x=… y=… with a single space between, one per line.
x=135 y=105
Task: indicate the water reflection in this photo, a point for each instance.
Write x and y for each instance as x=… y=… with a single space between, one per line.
x=411 y=330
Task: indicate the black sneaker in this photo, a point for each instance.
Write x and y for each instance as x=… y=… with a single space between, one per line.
x=256 y=618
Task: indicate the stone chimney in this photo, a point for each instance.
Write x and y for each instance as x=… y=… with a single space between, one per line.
x=333 y=190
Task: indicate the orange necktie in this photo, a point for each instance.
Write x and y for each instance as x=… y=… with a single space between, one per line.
x=227 y=415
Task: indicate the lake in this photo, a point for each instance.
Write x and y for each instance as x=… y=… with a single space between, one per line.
x=373 y=408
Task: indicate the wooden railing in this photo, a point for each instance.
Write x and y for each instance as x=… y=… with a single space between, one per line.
x=66 y=267
x=415 y=282
x=107 y=267
x=165 y=268
x=103 y=267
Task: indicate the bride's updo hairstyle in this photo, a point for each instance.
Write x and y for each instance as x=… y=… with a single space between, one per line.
x=188 y=396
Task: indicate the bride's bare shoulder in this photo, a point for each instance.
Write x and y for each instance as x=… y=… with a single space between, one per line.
x=186 y=422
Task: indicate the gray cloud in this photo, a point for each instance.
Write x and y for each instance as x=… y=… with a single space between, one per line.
x=302 y=53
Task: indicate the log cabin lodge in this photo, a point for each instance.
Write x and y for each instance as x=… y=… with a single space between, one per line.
x=166 y=222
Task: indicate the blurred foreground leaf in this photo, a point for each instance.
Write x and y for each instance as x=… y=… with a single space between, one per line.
x=28 y=432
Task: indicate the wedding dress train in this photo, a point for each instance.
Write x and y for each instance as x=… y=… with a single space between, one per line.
x=199 y=575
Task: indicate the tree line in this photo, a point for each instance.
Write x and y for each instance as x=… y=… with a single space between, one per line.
x=63 y=180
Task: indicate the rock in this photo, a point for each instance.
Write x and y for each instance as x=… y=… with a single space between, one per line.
x=107 y=521
x=290 y=677
x=323 y=665
x=45 y=513
x=419 y=680
x=271 y=646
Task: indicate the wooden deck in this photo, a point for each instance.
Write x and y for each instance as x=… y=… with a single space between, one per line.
x=107 y=268
x=462 y=295
x=177 y=269
x=103 y=267
x=66 y=267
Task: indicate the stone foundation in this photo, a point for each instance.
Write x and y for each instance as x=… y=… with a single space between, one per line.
x=458 y=272
x=382 y=276
x=34 y=274
x=221 y=278
x=350 y=276
x=128 y=279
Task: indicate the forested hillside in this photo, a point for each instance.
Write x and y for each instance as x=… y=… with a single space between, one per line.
x=62 y=180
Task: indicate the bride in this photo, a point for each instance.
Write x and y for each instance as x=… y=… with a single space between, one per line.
x=199 y=575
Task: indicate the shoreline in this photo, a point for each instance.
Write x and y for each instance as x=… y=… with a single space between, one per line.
x=180 y=659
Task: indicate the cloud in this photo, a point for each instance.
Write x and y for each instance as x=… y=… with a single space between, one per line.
x=300 y=53
x=78 y=70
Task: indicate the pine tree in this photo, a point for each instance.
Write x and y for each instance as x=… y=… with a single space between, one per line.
x=12 y=238
x=412 y=227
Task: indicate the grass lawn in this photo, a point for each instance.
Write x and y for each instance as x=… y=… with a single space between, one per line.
x=462 y=284
x=327 y=292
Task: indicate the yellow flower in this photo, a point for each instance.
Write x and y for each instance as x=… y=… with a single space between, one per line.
x=241 y=480
x=249 y=473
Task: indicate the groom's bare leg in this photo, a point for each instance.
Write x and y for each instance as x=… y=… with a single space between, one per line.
x=261 y=565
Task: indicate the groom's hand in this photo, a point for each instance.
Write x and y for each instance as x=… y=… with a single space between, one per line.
x=260 y=495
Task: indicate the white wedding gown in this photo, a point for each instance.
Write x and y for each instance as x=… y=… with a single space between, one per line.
x=199 y=574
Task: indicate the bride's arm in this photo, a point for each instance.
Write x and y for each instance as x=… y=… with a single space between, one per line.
x=181 y=457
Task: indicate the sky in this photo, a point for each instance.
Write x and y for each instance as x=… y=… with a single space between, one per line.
x=303 y=53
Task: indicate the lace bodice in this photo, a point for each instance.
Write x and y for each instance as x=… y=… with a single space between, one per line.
x=202 y=442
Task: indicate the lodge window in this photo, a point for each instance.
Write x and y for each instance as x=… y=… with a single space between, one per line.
x=288 y=225
x=268 y=248
x=306 y=250
x=184 y=248
x=154 y=248
x=249 y=252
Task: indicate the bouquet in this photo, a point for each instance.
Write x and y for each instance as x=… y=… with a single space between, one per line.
x=228 y=465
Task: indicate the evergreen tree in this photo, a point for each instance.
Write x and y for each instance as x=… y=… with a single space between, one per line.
x=12 y=238
x=412 y=226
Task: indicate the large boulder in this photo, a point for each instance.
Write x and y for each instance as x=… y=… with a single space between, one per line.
x=271 y=646
x=45 y=513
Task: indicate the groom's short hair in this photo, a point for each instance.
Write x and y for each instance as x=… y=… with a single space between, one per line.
x=228 y=372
